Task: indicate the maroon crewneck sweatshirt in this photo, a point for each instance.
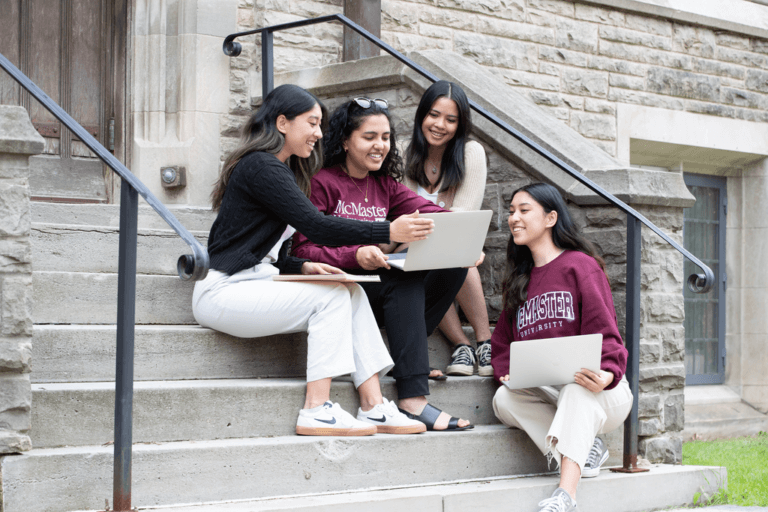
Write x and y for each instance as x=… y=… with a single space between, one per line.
x=568 y=296
x=336 y=193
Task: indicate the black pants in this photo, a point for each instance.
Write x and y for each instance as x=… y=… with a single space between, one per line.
x=410 y=305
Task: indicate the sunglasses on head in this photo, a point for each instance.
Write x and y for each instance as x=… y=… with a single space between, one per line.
x=364 y=102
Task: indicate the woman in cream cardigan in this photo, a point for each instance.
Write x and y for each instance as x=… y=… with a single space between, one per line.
x=446 y=168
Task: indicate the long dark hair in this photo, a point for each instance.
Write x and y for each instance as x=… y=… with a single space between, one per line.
x=346 y=119
x=452 y=164
x=565 y=235
x=260 y=133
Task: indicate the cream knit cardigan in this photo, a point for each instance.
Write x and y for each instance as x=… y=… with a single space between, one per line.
x=469 y=194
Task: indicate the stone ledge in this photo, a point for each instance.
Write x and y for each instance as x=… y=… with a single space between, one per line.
x=738 y=16
x=17 y=135
x=634 y=186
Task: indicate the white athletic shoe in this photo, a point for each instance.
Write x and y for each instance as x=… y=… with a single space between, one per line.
x=389 y=420
x=331 y=420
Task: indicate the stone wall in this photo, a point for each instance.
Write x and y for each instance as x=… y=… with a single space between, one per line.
x=576 y=60
x=18 y=140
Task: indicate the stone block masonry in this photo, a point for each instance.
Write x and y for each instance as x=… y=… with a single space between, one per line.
x=565 y=48
x=18 y=140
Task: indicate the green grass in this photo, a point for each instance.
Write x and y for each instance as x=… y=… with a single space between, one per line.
x=746 y=459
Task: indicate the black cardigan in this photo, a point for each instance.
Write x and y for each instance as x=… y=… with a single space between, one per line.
x=261 y=199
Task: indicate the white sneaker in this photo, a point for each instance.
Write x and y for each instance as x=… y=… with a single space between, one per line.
x=389 y=420
x=596 y=458
x=331 y=420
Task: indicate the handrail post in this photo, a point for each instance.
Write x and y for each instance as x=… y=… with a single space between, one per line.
x=267 y=63
x=632 y=339
x=126 y=320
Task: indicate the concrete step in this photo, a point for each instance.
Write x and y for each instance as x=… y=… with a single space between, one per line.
x=722 y=421
x=108 y=215
x=664 y=486
x=85 y=248
x=65 y=479
x=90 y=298
x=80 y=414
x=86 y=353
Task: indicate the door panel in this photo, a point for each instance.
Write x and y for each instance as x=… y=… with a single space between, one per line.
x=10 y=91
x=44 y=58
x=69 y=49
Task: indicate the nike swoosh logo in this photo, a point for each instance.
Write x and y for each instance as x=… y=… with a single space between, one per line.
x=330 y=422
x=380 y=420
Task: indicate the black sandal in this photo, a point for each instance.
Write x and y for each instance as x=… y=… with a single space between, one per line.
x=429 y=416
x=438 y=377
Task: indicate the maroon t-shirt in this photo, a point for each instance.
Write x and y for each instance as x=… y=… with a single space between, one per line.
x=568 y=296
x=335 y=193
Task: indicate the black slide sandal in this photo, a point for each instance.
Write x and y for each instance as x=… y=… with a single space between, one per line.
x=429 y=416
x=439 y=377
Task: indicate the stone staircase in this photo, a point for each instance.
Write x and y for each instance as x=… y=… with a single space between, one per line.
x=214 y=415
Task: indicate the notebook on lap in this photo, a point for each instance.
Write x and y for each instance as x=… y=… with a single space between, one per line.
x=552 y=361
x=457 y=241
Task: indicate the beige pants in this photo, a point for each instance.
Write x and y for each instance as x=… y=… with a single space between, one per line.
x=563 y=421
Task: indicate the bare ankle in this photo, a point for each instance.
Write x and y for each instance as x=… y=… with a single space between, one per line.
x=414 y=405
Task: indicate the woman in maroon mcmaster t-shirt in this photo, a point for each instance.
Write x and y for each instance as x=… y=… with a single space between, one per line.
x=556 y=286
x=359 y=181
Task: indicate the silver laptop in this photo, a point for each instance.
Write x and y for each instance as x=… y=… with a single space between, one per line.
x=552 y=361
x=457 y=241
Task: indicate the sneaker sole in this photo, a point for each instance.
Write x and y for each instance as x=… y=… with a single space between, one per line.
x=329 y=431
x=405 y=429
x=485 y=371
x=460 y=369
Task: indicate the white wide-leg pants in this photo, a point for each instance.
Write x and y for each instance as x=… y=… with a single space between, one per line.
x=343 y=337
x=572 y=416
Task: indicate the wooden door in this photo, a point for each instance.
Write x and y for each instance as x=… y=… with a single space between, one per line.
x=74 y=50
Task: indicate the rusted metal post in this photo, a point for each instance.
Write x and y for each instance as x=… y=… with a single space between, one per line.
x=632 y=339
x=367 y=14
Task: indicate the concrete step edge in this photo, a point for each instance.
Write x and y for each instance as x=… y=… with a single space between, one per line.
x=490 y=494
x=81 y=414
x=191 y=217
x=86 y=352
x=43 y=226
x=151 y=447
x=72 y=478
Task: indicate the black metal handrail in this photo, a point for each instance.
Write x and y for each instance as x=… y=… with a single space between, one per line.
x=189 y=266
x=698 y=283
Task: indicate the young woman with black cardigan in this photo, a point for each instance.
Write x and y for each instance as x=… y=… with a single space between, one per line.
x=261 y=196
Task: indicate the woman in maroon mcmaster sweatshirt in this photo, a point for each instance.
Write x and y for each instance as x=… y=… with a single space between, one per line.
x=360 y=181
x=556 y=286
